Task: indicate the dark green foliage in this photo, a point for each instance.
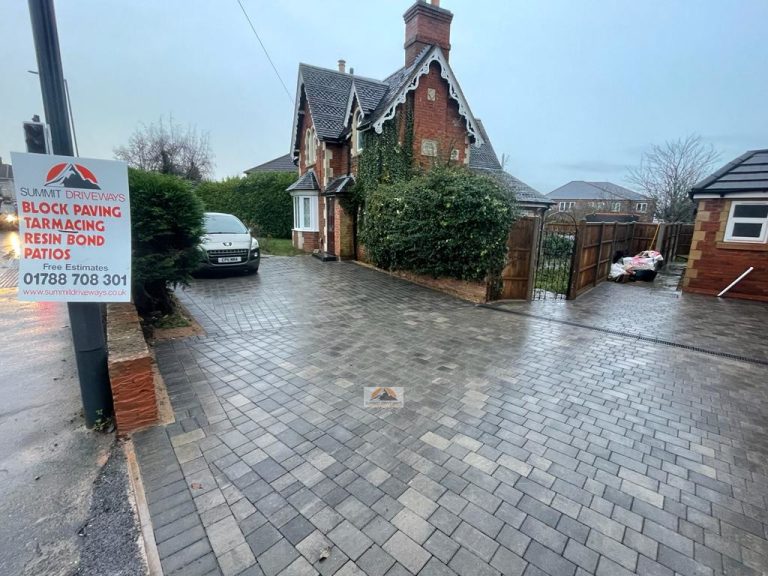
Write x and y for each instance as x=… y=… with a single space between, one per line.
x=259 y=200
x=557 y=245
x=448 y=222
x=166 y=222
x=384 y=160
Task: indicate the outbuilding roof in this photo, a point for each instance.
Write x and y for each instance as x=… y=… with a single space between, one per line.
x=747 y=173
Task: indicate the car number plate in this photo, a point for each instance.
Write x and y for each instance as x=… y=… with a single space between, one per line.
x=228 y=259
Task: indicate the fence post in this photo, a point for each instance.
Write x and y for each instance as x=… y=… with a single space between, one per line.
x=534 y=259
x=576 y=260
x=599 y=253
x=660 y=238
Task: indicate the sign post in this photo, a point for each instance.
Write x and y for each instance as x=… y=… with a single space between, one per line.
x=85 y=318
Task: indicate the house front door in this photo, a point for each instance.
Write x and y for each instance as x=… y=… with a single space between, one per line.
x=330 y=225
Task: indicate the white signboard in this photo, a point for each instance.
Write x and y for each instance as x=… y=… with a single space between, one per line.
x=74 y=227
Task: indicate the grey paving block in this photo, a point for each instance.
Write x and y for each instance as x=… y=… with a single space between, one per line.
x=375 y=561
x=277 y=557
x=407 y=552
x=465 y=563
x=352 y=541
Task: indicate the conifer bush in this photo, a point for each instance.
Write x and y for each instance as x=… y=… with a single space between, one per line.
x=167 y=223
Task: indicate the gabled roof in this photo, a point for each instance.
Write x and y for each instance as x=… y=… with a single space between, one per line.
x=581 y=190
x=307 y=182
x=330 y=94
x=747 y=173
x=407 y=79
x=283 y=163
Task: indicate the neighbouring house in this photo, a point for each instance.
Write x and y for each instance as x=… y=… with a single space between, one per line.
x=337 y=111
x=283 y=163
x=731 y=230
x=7 y=191
x=582 y=198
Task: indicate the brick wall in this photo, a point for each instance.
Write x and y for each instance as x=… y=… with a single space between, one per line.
x=436 y=118
x=130 y=370
x=307 y=241
x=713 y=263
x=344 y=238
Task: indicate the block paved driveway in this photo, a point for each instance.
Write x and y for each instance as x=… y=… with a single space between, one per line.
x=526 y=446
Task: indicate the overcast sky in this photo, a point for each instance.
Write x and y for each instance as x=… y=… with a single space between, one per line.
x=568 y=90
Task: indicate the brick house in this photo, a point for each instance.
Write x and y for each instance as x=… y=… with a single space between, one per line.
x=336 y=111
x=731 y=230
x=582 y=198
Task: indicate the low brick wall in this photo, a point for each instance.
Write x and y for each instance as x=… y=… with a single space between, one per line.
x=130 y=370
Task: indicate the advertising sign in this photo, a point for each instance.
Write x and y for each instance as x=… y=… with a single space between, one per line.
x=74 y=227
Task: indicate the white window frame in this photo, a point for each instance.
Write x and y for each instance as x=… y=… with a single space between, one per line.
x=299 y=212
x=616 y=207
x=641 y=207
x=729 y=237
x=565 y=205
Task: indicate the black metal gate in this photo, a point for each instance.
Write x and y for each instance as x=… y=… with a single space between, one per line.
x=554 y=263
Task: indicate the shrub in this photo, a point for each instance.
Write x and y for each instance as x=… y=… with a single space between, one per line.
x=557 y=245
x=259 y=200
x=448 y=222
x=167 y=223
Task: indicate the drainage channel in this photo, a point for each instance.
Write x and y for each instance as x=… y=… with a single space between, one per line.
x=635 y=336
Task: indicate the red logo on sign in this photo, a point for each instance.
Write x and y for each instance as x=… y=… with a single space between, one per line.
x=69 y=175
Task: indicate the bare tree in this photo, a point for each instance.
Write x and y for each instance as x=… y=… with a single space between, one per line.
x=667 y=173
x=169 y=149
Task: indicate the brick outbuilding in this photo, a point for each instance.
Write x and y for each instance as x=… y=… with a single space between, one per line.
x=731 y=230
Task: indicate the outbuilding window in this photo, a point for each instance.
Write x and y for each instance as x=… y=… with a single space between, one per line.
x=305 y=213
x=747 y=222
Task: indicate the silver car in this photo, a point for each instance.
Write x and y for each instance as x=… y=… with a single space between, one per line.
x=227 y=244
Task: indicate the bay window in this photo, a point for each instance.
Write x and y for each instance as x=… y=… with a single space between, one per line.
x=305 y=213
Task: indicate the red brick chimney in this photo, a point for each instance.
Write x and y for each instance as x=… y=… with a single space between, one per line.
x=425 y=25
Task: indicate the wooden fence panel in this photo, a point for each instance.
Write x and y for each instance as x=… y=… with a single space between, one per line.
x=519 y=272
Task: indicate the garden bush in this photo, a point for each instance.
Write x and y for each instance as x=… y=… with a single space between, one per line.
x=557 y=245
x=448 y=222
x=259 y=200
x=167 y=223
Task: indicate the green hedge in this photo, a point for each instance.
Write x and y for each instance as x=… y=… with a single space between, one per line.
x=167 y=223
x=259 y=200
x=448 y=222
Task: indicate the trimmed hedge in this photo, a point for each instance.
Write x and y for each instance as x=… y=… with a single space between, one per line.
x=259 y=200
x=448 y=222
x=167 y=223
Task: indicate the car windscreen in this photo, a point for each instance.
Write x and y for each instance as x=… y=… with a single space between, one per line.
x=223 y=224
